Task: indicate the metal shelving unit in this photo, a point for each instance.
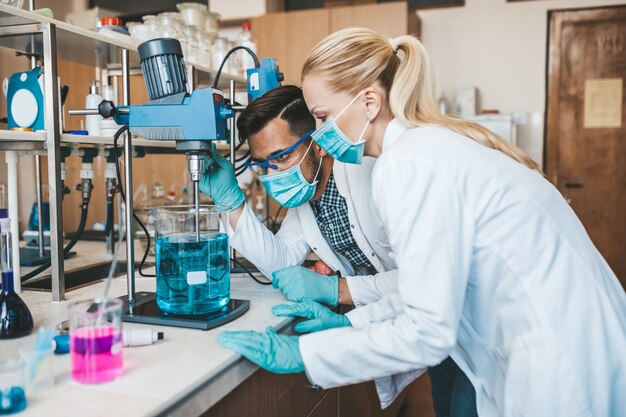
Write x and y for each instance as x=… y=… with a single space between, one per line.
x=22 y=30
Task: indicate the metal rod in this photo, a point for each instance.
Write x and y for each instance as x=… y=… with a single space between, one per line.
x=12 y=160
x=39 y=196
x=233 y=127
x=31 y=29
x=40 y=236
x=128 y=179
x=91 y=112
x=53 y=143
x=196 y=203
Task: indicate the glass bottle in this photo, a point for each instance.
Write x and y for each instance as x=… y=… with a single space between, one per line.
x=246 y=39
x=15 y=318
x=218 y=53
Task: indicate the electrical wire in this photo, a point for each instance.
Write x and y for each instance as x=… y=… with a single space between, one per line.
x=236 y=48
x=247 y=271
x=123 y=195
x=244 y=157
x=66 y=249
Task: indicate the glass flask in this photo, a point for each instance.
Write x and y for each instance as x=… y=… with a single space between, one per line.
x=96 y=340
x=193 y=276
x=15 y=318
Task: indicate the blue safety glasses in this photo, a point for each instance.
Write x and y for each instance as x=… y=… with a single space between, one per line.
x=261 y=168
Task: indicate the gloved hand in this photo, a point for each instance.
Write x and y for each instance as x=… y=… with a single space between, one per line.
x=270 y=350
x=322 y=317
x=301 y=284
x=220 y=184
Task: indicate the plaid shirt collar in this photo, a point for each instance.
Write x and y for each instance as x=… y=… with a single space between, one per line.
x=330 y=196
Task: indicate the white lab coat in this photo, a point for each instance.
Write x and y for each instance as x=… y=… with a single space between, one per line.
x=300 y=234
x=495 y=270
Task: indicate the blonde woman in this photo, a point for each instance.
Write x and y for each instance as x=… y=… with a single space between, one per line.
x=494 y=267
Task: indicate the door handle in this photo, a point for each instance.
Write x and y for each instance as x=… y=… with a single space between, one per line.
x=574 y=184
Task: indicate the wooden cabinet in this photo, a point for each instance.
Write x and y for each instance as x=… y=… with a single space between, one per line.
x=388 y=19
x=290 y=36
x=265 y=394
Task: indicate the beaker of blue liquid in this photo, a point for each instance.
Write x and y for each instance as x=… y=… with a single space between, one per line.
x=12 y=393
x=192 y=271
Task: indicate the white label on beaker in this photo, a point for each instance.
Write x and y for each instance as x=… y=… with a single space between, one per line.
x=196 y=277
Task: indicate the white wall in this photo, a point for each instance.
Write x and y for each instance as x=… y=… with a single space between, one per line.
x=496 y=46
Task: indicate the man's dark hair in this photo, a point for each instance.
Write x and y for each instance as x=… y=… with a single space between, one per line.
x=286 y=102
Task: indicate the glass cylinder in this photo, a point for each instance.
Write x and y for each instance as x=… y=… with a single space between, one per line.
x=193 y=276
x=96 y=340
x=39 y=369
x=204 y=49
x=218 y=53
x=212 y=24
x=192 y=45
x=12 y=393
x=194 y=14
x=150 y=21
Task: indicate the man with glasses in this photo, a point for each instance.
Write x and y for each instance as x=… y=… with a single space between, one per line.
x=330 y=210
x=330 y=213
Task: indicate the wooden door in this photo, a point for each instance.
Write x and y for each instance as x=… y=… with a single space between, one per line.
x=586 y=128
x=289 y=37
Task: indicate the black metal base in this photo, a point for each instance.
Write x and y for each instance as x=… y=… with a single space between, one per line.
x=30 y=256
x=146 y=311
x=94 y=236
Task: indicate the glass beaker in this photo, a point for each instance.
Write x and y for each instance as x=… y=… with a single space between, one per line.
x=12 y=394
x=39 y=369
x=96 y=340
x=193 y=276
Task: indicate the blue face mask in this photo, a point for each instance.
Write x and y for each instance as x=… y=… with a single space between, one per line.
x=336 y=143
x=290 y=188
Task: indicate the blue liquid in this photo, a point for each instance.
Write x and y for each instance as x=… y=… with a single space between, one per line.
x=192 y=277
x=12 y=400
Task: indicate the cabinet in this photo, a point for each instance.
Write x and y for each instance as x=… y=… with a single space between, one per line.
x=290 y=36
x=265 y=394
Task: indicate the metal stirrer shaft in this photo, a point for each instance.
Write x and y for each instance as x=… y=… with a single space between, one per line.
x=196 y=200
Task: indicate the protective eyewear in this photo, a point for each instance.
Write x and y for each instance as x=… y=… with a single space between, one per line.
x=261 y=167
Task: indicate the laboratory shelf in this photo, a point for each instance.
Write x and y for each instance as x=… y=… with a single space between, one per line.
x=36 y=141
x=53 y=40
x=74 y=43
x=80 y=45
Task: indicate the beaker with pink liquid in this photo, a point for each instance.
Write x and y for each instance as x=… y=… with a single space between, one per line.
x=96 y=340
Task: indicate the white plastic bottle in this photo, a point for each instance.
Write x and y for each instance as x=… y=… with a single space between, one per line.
x=93 y=99
x=245 y=39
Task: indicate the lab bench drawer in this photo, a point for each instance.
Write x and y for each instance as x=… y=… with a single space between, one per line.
x=299 y=399
x=328 y=405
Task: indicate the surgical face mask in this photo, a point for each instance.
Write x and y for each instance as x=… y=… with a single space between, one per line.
x=336 y=143
x=290 y=188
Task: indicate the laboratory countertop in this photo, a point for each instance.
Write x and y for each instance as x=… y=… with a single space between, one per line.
x=183 y=375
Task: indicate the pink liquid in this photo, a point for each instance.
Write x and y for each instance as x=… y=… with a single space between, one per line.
x=96 y=354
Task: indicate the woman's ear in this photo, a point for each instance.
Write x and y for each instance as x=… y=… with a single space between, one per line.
x=373 y=102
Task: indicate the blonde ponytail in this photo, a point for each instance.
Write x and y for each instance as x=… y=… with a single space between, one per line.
x=354 y=59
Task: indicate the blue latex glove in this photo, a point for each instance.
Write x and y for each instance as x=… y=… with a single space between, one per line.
x=322 y=317
x=220 y=184
x=272 y=351
x=301 y=284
